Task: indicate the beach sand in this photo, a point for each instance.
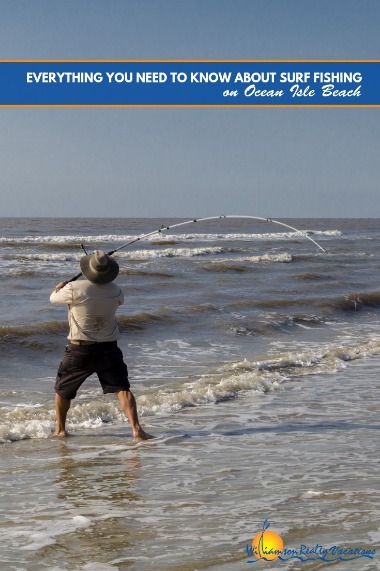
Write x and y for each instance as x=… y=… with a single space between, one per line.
x=195 y=496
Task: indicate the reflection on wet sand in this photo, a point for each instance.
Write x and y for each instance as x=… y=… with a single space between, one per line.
x=96 y=486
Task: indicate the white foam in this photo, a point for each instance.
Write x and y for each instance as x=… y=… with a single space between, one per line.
x=24 y=423
x=375 y=535
x=312 y=494
x=24 y=429
x=236 y=236
x=47 y=533
x=95 y=566
x=173 y=253
x=48 y=257
x=226 y=382
x=281 y=258
x=162 y=236
x=69 y=239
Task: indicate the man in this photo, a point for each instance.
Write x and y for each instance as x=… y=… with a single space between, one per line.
x=93 y=339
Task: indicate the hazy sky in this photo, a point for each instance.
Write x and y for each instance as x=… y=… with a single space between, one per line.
x=190 y=162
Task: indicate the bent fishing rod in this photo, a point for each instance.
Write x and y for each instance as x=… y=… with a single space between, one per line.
x=164 y=228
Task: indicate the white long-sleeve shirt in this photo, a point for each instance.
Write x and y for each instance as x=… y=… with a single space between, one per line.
x=92 y=309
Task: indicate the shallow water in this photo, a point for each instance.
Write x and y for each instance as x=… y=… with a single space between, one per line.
x=195 y=497
x=258 y=376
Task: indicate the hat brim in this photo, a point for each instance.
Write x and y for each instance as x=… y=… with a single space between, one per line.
x=99 y=277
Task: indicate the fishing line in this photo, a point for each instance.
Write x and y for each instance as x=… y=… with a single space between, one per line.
x=164 y=228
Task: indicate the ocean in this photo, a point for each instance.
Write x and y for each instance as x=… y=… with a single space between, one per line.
x=254 y=357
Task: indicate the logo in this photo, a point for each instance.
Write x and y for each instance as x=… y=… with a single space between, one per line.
x=267 y=545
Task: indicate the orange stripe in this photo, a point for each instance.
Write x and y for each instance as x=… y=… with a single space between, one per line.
x=190 y=61
x=194 y=106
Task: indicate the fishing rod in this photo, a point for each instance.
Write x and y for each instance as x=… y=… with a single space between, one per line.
x=192 y=221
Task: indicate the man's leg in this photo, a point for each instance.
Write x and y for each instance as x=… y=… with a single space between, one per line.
x=73 y=370
x=61 y=409
x=128 y=406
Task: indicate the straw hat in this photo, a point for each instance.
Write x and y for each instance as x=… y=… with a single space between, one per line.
x=99 y=268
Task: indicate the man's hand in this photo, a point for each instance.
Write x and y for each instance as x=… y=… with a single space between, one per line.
x=60 y=286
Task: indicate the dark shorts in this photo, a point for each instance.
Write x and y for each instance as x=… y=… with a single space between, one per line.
x=81 y=361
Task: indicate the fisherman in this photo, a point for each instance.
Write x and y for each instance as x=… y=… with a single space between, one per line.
x=93 y=338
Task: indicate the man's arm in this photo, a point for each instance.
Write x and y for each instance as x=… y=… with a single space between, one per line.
x=62 y=293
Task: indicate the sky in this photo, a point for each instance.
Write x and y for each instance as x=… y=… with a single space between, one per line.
x=280 y=163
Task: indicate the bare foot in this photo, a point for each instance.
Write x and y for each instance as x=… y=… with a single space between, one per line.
x=61 y=433
x=141 y=434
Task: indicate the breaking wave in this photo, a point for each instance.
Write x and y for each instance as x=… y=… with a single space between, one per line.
x=228 y=381
x=161 y=237
x=307 y=312
x=240 y=263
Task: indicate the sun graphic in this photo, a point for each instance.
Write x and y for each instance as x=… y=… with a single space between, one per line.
x=267 y=545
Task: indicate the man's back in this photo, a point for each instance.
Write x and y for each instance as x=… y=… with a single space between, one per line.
x=92 y=309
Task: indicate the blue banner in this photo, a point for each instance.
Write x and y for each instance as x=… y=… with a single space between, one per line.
x=190 y=83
